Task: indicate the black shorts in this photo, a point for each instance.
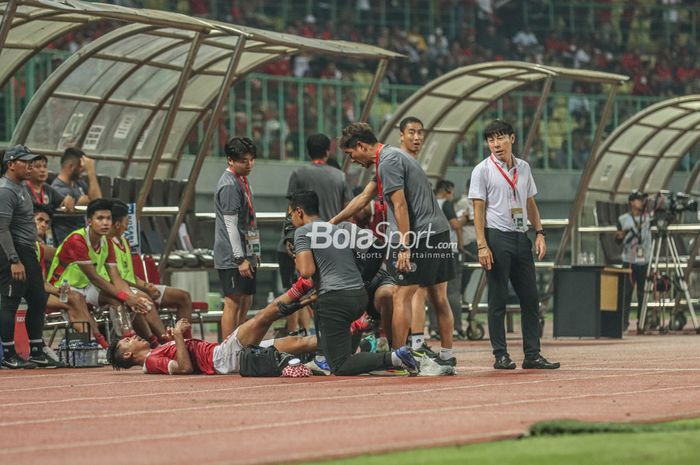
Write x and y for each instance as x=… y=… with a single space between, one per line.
x=382 y=278
x=432 y=262
x=233 y=283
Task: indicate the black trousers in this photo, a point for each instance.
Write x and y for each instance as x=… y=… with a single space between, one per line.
x=638 y=279
x=335 y=311
x=513 y=260
x=32 y=289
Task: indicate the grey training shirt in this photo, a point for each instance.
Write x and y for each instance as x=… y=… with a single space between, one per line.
x=489 y=185
x=230 y=199
x=63 y=226
x=333 y=254
x=328 y=183
x=16 y=217
x=398 y=170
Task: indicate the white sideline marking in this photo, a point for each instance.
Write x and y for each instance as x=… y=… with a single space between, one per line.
x=165 y=393
x=219 y=405
x=344 y=418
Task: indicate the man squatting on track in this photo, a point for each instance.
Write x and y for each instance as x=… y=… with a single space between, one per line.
x=194 y=356
x=413 y=213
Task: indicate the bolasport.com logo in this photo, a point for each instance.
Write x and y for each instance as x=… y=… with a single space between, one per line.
x=422 y=244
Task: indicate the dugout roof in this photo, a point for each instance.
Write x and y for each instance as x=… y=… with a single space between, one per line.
x=642 y=153
x=132 y=96
x=113 y=96
x=450 y=104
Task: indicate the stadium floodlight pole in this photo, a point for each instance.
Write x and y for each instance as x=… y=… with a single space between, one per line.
x=587 y=174
x=7 y=16
x=164 y=134
x=369 y=100
x=188 y=193
x=538 y=116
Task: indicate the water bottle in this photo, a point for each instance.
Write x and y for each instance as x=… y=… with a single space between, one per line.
x=63 y=291
x=591 y=258
x=270 y=297
x=121 y=320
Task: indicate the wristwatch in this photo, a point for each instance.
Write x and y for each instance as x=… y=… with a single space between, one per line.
x=238 y=260
x=541 y=232
x=402 y=248
x=14 y=260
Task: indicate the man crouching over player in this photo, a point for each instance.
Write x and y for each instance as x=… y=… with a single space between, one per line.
x=185 y=356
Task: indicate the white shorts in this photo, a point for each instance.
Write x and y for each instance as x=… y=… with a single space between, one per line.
x=91 y=294
x=226 y=355
x=161 y=288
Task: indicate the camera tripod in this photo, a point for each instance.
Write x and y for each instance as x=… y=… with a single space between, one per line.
x=673 y=268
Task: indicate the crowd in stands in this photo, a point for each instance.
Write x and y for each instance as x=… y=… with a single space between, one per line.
x=652 y=41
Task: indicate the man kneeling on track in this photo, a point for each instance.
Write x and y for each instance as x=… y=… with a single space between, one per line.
x=186 y=356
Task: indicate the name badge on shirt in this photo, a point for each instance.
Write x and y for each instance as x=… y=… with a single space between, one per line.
x=252 y=243
x=518 y=217
x=640 y=254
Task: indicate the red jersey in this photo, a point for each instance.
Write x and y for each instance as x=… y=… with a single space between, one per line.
x=201 y=352
x=379 y=215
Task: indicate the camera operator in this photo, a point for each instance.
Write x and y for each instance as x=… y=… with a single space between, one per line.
x=634 y=232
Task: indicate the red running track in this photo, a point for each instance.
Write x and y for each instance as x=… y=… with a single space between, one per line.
x=83 y=417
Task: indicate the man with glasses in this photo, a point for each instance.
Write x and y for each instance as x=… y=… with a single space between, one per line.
x=20 y=273
x=236 y=240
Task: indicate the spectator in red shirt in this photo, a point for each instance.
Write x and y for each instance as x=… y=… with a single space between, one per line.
x=195 y=356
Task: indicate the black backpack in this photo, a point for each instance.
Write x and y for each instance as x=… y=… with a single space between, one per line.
x=262 y=361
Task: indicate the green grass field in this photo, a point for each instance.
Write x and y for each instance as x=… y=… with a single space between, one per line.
x=675 y=443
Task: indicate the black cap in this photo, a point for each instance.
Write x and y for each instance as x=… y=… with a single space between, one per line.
x=19 y=152
x=636 y=195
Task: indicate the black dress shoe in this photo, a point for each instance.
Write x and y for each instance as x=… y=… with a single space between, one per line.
x=539 y=363
x=504 y=363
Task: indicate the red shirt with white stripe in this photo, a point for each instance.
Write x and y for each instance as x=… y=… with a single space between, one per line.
x=201 y=352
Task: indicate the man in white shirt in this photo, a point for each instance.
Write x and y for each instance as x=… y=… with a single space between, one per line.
x=503 y=190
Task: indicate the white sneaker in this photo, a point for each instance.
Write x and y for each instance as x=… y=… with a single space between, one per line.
x=429 y=367
x=50 y=353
